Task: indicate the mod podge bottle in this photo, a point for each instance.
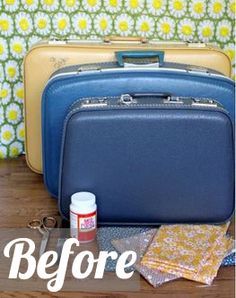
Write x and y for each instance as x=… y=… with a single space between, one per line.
x=83 y=216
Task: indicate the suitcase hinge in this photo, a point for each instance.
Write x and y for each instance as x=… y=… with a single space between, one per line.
x=196 y=44
x=88 y=103
x=57 y=41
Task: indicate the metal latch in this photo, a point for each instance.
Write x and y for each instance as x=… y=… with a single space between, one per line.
x=205 y=103
x=197 y=69
x=83 y=68
x=127 y=99
x=90 y=103
x=173 y=100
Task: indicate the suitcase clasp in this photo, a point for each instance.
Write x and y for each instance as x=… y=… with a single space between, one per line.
x=174 y=100
x=127 y=99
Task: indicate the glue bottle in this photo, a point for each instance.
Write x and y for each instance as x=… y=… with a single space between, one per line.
x=83 y=216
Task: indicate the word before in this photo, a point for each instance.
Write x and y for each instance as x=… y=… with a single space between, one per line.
x=22 y=249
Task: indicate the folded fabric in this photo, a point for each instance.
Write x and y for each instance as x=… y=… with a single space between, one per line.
x=191 y=251
x=106 y=234
x=139 y=244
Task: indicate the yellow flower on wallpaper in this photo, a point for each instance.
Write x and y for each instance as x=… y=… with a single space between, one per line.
x=197 y=8
x=24 y=23
x=231 y=8
x=177 y=8
x=18 y=92
x=186 y=29
x=112 y=6
x=124 y=25
x=103 y=24
x=11 y=5
x=20 y=132
x=82 y=23
x=145 y=26
x=91 y=5
x=18 y=47
x=230 y=51
x=30 y=5
x=70 y=5
x=61 y=24
x=42 y=23
x=166 y=28
x=15 y=149
x=3 y=49
x=3 y=152
x=206 y=31
x=216 y=8
x=5 y=93
x=134 y=6
x=12 y=70
x=7 y=134
x=223 y=30
x=156 y=7
x=13 y=113
x=6 y=24
x=50 y=5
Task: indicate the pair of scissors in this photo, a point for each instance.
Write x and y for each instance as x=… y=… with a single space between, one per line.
x=44 y=226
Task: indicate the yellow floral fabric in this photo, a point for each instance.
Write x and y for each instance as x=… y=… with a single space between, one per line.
x=194 y=252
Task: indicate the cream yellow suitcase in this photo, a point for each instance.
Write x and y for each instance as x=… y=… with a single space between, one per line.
x=47 y=56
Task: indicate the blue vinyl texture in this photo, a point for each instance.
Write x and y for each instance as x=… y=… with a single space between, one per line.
x=150 y=165
x=62 y=91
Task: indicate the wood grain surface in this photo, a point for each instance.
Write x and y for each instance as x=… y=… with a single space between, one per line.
x=24 y=197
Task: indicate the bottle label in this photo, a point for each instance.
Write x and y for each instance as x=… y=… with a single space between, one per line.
x=82 y=222
x=87 y=222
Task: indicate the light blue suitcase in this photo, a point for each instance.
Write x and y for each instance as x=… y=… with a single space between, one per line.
x=134 y=72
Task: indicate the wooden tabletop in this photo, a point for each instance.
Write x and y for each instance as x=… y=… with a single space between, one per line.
x=23 y=197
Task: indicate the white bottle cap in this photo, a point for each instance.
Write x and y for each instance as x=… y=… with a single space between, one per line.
x=84 y=202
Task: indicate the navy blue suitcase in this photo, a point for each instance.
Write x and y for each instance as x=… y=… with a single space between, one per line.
x=72 y=83
x=150 y=159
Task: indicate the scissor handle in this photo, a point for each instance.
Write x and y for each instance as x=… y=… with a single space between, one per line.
x=35 y=224
x=49 y=222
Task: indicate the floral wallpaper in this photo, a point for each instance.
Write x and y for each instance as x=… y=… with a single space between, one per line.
x=22 y=23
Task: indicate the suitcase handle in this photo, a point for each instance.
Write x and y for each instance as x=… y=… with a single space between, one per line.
x=164 y=95
x=140 y=55
x=128 y=39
